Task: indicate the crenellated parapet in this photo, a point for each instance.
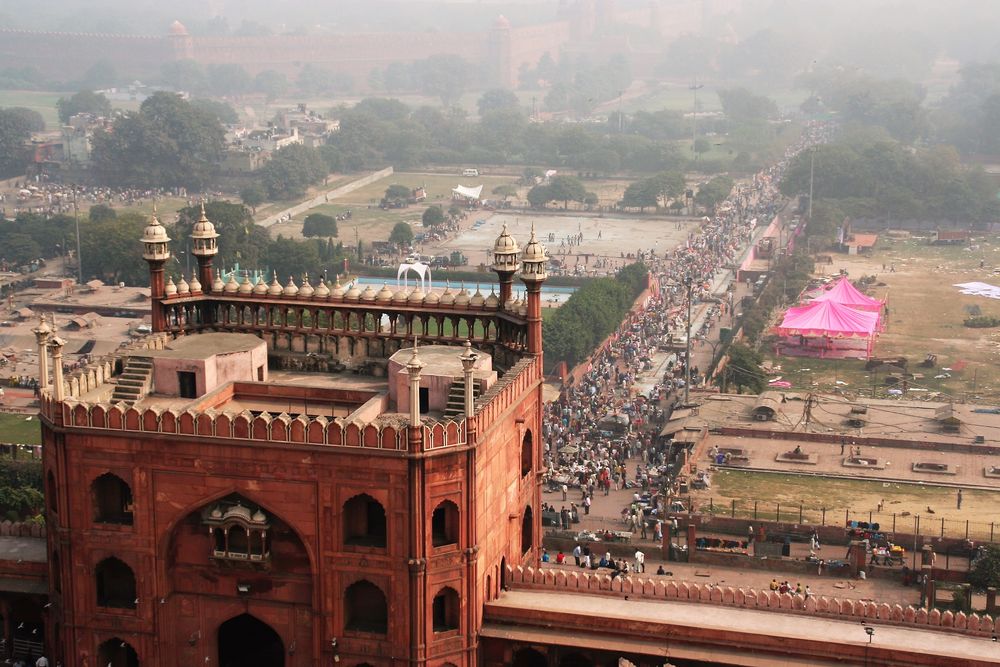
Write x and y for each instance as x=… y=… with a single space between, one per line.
x=834 y=608
x=259 y=428
x=507 y=390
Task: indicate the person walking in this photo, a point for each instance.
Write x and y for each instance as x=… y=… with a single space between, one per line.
x=577 y=554
x=586 y=505
x=640 y=561
x=565 y=490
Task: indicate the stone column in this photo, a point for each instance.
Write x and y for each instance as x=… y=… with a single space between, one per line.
x=56 y=345
x=413 y=367
x=468 y=366
x=42 y=335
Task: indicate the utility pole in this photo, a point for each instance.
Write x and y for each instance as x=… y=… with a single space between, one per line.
x=687 y=343
x=694 y=115
x=79 y=257
x=812 y=169
x=620 y=93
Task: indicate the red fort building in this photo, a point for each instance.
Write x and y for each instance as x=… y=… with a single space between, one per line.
x=294 y=474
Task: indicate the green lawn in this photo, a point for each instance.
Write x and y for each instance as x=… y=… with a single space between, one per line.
x=20 y=429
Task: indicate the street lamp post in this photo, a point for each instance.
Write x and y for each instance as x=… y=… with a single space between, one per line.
x=687 y=341
x=79 y=257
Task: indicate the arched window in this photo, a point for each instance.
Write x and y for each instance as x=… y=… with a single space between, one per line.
x=365 y=609
x=117 y=653
x=364 y=522
x=527 y=530
x=444 y=524
x=526 y=454
x=112 y=500
x=446 y=610
x=56 y=573
x=50 y=491
x=115 y=584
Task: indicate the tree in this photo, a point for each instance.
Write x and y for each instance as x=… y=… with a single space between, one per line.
x=33 y=119
x=397 y=192
x=540 y=195
x=253 y=195
x=184 y=75
x=497 y=99
x=506 y=191
x=167 y=143
x=272 y=83
x=713 y=192
x=742 y=106
x=85 y=101
x=401 y=235
x=444 y=76
x=15 y=129
x=289 y=258
x=702 y=145
x=101 y=212
x=566 y=189
x=433 y=216
x=222 y=111
x=743 y=369
x=319 y=224
x=229 y=79
x=985 y=569
x=109 y=249
x=641 y=194
x=291 y=170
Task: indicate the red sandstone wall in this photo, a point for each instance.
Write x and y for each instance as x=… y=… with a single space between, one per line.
x=64 y=56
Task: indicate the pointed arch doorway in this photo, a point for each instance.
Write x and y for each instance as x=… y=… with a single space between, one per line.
x=245 y=641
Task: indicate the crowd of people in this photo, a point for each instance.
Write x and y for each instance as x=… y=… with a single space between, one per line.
x=602 y=421
x=48 y=198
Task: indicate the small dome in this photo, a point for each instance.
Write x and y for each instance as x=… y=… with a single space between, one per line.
x=322 y=291
x=216 y=512
x=505 y=243
x=203 y=236
x=416 y=296
x=195 y=283
x=154 y=232
x=368 y=294
x=177 y=28
x=246 y=287
x=338 y=289
x=492 y=301
x=275 y=288
x=307 y=290
x=462 y=298
x=399 y=296
x=477 y=300
x=511 y=304
x=171 y=288
x=217 y=284
x=432 y=298
x=534 y=251
x=261 y=287
x=291 y=289
x=43 y=327
x=231 y=285
x=183 y=287
x=354 y=293
x=522 y=307
x=259 y=517
x=238 y=511
x=447 y=296
x=384 y=295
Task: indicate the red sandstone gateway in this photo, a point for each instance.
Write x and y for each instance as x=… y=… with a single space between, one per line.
x=283 y=475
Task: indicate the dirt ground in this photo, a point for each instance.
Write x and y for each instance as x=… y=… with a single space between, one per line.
x=860 y=497
x=925 y=317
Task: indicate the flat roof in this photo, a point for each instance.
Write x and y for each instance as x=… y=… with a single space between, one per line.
x=794 y=627
x=203 y=346
x=31 y=549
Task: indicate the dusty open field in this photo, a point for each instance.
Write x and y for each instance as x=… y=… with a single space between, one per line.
x=860 y=497
x=925 y=316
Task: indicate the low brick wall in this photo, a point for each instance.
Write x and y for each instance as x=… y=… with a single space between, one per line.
x=844 y=609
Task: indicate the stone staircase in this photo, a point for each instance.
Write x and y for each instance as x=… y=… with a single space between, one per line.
x=456 y=398
x=134 y=382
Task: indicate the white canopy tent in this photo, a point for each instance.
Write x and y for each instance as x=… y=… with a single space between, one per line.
x=422 y=270
x=467 y=193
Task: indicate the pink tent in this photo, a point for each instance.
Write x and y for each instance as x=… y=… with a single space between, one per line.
x=847 y=294
x=828 y=318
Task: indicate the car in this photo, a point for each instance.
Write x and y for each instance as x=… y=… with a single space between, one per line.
x=470 y=172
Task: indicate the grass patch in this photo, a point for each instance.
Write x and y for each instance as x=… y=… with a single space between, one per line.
x=19 y=429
